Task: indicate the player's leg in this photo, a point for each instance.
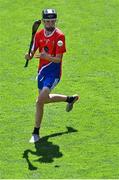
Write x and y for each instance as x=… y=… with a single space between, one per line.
x=46 y=85
x=63 y=98
x=59 y=98
x=51 y=82
x=56 y=98
x=42 y=98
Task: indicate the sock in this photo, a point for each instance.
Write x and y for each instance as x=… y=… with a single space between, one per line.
x=69 y=99
x=36 y=131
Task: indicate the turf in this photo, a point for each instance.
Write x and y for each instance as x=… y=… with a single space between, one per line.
x=80 y=144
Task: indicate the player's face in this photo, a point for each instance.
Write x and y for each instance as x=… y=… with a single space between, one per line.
x=49 y=24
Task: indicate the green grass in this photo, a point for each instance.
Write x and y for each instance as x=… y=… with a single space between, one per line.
x=90 y=68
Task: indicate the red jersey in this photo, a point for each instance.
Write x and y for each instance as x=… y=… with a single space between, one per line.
x=55 y=43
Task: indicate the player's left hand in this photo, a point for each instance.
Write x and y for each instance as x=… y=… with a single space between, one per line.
x=43 y=55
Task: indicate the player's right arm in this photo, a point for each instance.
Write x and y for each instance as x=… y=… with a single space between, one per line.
x=34 y=48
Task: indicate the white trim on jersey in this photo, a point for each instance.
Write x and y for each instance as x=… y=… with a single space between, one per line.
x=50 y=34
x=44 y=67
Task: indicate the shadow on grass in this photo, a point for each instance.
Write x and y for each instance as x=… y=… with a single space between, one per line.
x=46 y=150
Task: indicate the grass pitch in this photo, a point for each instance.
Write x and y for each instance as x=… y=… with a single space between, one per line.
x=80 y=144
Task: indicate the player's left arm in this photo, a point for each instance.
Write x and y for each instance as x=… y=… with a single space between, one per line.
x=60 y=49
x=55 y=59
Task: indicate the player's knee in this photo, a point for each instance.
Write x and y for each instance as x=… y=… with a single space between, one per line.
x=42 y=99
x=43 y=96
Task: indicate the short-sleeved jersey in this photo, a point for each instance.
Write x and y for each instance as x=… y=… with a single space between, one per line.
x=55 y=44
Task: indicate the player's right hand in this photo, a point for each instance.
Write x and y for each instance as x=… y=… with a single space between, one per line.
x=28 y=56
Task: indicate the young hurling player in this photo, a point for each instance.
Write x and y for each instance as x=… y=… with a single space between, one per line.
x=50 y=42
